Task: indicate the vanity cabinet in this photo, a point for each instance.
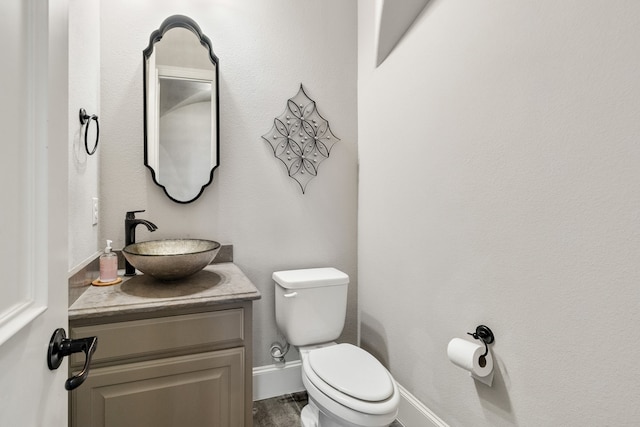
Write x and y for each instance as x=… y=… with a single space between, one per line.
x=179 y=367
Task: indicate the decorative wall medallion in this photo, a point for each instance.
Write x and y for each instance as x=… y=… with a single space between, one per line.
x=301 y=138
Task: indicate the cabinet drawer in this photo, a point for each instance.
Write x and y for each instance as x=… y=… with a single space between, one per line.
x=173 y=334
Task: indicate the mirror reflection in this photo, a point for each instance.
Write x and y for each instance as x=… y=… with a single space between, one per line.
x=181 y=109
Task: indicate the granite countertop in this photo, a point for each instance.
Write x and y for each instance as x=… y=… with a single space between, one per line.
x=215 y=284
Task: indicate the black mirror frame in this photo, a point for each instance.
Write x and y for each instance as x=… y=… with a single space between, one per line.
x=179 y=21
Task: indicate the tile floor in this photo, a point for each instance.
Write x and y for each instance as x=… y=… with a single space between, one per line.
x=283 y=411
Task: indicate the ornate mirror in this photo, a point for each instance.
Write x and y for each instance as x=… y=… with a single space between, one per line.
x=181 y=147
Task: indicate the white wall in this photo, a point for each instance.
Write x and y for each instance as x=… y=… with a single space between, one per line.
x=499 y=184
x=84 y=92
x=266 y=50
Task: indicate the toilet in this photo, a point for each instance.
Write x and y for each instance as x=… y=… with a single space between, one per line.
x=347 y=387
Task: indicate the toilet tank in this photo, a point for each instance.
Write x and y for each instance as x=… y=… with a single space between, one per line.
x=311 y=304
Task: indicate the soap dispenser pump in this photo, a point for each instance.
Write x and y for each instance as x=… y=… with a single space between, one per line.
x=108 y=265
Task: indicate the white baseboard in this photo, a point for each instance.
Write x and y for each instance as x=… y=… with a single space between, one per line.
x=413 y=413
x=276 y=380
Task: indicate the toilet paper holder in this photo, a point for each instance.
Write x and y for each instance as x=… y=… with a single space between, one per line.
x=484 y=334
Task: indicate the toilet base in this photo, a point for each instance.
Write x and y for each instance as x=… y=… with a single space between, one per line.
x=312 y=416
x=309 y=416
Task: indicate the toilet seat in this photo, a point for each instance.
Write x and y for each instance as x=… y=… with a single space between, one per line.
x=351 y=382
x=357 y=374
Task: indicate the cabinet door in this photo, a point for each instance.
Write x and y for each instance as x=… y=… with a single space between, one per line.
x=205 y=389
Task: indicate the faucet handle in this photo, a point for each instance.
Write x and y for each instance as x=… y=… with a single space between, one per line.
x=132 y=214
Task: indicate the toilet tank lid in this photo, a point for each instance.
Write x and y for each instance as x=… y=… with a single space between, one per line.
x=310 y=278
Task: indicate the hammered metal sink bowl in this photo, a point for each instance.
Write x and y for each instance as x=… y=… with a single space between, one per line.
x=171 y=259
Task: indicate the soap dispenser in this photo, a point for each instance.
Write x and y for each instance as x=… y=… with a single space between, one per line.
x=108 y=265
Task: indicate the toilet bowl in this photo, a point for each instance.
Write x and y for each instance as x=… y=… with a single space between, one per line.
x=347 y=387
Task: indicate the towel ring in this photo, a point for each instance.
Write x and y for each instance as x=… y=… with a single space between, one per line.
x=86 y=119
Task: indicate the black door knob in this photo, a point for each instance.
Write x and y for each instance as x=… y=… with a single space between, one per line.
x=61 y=346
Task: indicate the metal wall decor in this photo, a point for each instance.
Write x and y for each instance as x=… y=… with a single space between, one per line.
x=301 y=138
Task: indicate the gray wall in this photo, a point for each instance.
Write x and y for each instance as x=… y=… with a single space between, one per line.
x=84 y=92
x=499 y=184
x=266 y=50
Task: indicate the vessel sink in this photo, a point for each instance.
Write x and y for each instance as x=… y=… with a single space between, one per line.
x=171 y=259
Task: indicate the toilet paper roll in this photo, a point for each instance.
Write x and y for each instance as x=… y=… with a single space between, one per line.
x=468 y=356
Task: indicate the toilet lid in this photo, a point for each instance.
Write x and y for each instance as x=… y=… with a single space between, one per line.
x=352 y=371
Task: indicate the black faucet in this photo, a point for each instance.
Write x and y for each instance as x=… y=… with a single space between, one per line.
x=130 y=224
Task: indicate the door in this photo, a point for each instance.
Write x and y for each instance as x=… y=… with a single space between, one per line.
x=33 y=207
